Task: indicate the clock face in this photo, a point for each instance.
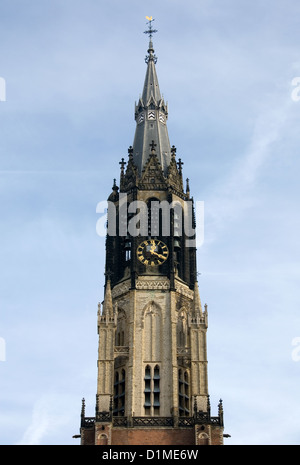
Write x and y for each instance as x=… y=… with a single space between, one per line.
x=152 y=252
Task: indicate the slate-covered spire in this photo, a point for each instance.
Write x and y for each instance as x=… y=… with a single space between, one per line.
x=151 y=86
x=151 y=114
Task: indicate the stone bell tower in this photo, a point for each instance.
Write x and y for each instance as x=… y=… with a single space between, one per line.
x=152 y=383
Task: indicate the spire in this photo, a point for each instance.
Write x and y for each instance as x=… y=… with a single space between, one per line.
x=150 y=32
x=197 y=301
x=151 y=114
x=151 y=86
x=107 y=304
x=187 y=187
x=83 y=408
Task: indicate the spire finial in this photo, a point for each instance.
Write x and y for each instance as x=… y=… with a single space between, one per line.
x=83 y=408
x=173 y=151
x=123 y=164
x=180 y=163
x=187 y=187
x=130 y=152
x=150 y=31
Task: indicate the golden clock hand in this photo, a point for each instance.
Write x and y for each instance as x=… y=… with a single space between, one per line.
x=153 y=247
x=158 y=255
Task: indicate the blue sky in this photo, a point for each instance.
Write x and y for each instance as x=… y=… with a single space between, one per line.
x=73 y=71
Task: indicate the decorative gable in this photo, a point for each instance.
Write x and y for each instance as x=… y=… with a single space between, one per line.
x=152 y=176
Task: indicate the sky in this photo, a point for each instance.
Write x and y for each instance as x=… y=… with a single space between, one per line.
x=71 y=73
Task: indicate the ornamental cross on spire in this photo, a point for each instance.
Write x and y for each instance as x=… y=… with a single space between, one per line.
x=150 y=30
x=153 y=145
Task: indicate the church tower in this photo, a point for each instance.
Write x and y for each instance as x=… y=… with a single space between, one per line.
x=152 y=385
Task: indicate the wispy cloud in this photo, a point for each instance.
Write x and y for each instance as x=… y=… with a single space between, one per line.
x=45 y=419
x=39 y=424
x=237 y=192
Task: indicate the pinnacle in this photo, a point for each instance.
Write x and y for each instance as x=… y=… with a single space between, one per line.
x=108 y=304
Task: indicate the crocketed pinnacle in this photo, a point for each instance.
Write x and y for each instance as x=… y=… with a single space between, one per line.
x=108 y=304
x=197 y=301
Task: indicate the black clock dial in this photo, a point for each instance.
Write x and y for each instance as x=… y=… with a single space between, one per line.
x=152 y=252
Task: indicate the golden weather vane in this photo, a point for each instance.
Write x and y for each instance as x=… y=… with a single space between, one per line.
x=150 y=30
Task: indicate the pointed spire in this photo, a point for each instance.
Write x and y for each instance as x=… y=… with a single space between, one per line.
x=151 y=114
x=97 y=403
x=187 y=187
x=108 y=304
x=122 y=164
x=208 y=405
x=83 y=408
x=221 y=412
x=197 y=301
x=151 y=92
x=220 y=406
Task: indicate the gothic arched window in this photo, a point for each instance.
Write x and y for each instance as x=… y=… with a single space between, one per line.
x=119 y=393
x=147 y=390
x=183 y=393
x=152 y=390
x=156 y=390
